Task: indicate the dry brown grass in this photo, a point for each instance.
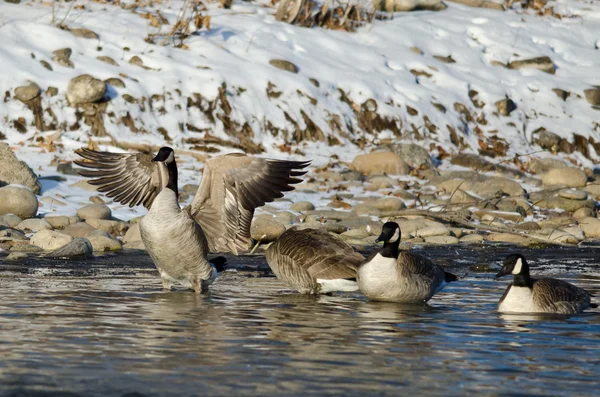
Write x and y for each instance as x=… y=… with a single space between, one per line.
x=347 y=16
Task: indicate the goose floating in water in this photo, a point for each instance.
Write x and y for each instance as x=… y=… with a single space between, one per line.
x=217 y=220
x=312 y=261
x=539 y=295
x=395 y=276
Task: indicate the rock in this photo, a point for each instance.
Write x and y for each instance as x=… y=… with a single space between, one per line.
x=441 y=240
x=565 y=204
x=11 y=220
x=103 y=243
x=135 y=60
x=366 y=209
x=25 y=248
x=107 y=59
x=61 y=221
x=79 y=229
x=409 y=227
x=85 y=89
x=351 y=175
x=15 y=256
x=13 y=171
x=52 y=91
x=115 y=82
x=335 y=227
x=284 y=65
x=573 y=194
x=456 y=232
x=28 y=92
x=584 y=212
x=84 y=33
x=46 y=65
x=133 y=233
x=508 y=238
x=568 y=235
x=302 y=206
x=541 y=166
x=541 y=63
x=94 y=211
x=505 y=106
x=63 y=52
x=63 y=61
x=509 y=216
x=389 y=204
x=18 y=200
x=590 y=227
x=50 y=239
x=528 y=226
x=432 y=231
x=414 y=5
x=355 y=233
x=96 y=200
x=461 y=197
x=546 y=139
x=373 y=228
x=562 y=94
x=471 y=238
x=287 y=218
x=330 y=214
x=115 y=228
x=570 y=177
x=593 y=190
x=76 y=247
x=592 y=95
x=496 y=187
x=414 y=155
x=266 y=230
x=34 y=224
x=475 y=161
x=380 y=163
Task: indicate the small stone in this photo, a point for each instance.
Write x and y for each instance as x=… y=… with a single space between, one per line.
x=85 y=89
x=107 y=59
x=52 y=91
x=441 y=240
x=541 y=166
x=11 y=220
x=115 y=82
x=84 y=33
x=15 y=256
x=546 y=139
x=335 y=227
x=563 y=203
x=505 y=106
x=583 y=213
x=135 y=60
x=461 y=197
x=380 y=163
x=97 y=200
x=266 y=230
x=389 y=204
x=529 y=226
x=25 y=248
x=94 y=211
x=432 y=231
x=78 y=229
x=76 y=247
x=416 y=156
x=46 y=64
x=570 y=177
x=355 y=233
x=115 y=228
x=330 y=214
x=18 y=200
x=103 y=243
x=50 y=239
x=592 y=95
x=34 y=224
x=590 y=227
x=62 y=61
x=61 y=221
x=302 y=206
x=284 y=65
x=63 y=52
x=573 y=194
x=26 y=93
x=403 y=6
x=366 y=209
x=509 y=216
x=541 y=63
x=508 y=238
x=287 y=218
x=562 y=94
x=133 y=233
x=471 y=238
x=456 y=232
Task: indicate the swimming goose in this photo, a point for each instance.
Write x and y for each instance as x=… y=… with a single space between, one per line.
x=217 y=220
x=312 y=261
x=539 y=295
x=394 y=276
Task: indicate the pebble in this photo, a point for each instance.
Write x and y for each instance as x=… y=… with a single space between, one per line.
x=366 y=209
x=115 y=228
x=34 y=224
x=50 y=239
x=302 y=206
x=432 y=231
x=79 y=229
x=18 y=200
x=583 y=213
x=380 y=163
x=590 y=226
x=15 y=256
x=569 y=177
x=441 y=240
x=573 y=194
x=508 y=238
x=76 y=247
x=11 y=220
x=25 y=248
x=471 y=238
x=389 y=204
x=103 y=243
x=94 y=211
x=61 y=221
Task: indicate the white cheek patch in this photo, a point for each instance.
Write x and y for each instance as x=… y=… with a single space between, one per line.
x=518 y=266
x=396 y=235
x=170 y=158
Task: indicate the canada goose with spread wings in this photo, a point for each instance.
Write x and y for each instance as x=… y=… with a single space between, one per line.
x=217 y=220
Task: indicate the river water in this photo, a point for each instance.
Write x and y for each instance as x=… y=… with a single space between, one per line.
x=104 y=327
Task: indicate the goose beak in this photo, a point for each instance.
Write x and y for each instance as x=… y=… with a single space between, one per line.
x=380 y=238
x=501 y=273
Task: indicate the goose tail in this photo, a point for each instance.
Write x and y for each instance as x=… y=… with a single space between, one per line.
x=448 y=277
x=593 y=305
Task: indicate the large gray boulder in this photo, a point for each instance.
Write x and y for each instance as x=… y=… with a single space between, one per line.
x=14 y=171
x=85 y=89
x=18 y=200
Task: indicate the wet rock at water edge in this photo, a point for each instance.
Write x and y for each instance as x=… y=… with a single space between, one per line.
x=50 y=240
x=85 y=89
x=94 y=211
x=77 y=247
x=28 y=92
x=18 y=200
x=102 y=243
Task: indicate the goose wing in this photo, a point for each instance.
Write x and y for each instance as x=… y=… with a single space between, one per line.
x=128 y=178
x=314 y=252
x=232 y=187
x=553 y=293
x=416 y=264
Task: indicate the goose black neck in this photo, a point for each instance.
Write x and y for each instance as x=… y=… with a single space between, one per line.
x=523 y=279
x=390 y=249
x=172 y=169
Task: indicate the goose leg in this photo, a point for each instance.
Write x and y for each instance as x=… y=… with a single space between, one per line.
x=167 y=283
x=197 y=284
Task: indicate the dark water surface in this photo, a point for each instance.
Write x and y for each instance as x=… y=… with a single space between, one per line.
x=105 y=327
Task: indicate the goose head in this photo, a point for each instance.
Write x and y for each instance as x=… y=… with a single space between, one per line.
x=390 y=232
x=165 y=155
x=514 y=264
